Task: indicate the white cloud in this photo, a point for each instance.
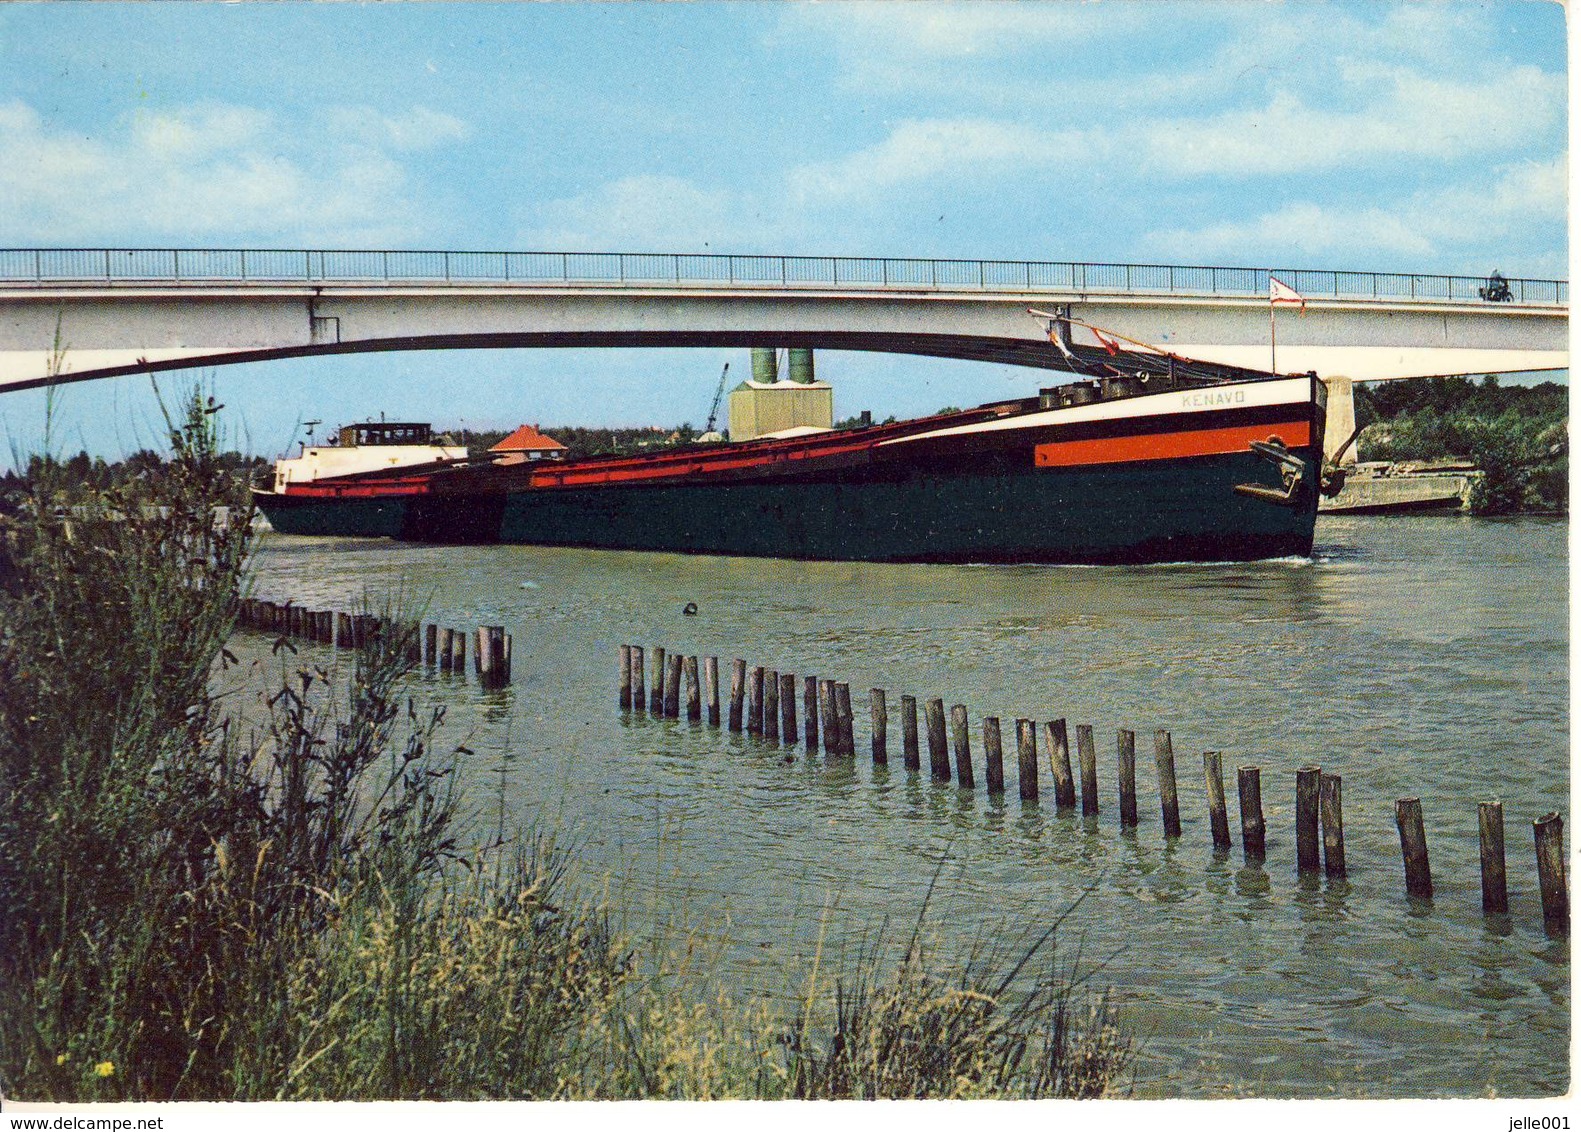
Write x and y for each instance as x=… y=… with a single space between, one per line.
x=927 y=151
x=417 y=129
x=1443 y=225
x=216 y=173
x=1412 y=116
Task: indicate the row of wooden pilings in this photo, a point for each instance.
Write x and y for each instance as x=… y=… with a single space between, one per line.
x=445 y=649
x=763 y=703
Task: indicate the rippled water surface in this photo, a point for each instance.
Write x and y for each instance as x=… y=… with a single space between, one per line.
x=1420 y=657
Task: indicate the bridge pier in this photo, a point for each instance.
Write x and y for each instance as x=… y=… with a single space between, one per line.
x=1341 y=419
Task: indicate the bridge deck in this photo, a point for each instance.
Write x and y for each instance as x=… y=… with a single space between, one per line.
x=50 y=267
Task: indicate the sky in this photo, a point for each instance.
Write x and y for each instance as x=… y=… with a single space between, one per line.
x=1361 y=136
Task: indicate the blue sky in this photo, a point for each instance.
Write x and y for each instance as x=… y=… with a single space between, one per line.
x=1364 y=136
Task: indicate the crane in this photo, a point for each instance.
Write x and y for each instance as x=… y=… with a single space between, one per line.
x=713 y=410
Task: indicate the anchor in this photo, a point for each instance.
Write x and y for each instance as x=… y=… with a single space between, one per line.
x=1292 y=470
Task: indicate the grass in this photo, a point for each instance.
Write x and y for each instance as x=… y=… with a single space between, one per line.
x=196 y=913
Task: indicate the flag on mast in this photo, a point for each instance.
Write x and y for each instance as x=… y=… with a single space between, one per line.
x=1281 y=294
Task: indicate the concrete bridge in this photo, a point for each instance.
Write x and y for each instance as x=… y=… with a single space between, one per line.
x=77 y=314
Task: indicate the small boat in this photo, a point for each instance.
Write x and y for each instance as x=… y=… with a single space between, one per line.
x=1162 y=463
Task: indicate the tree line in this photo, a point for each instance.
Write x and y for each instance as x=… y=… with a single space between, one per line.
x=1518 y=436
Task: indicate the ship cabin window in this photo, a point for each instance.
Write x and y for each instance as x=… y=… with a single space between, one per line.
x=385 y=433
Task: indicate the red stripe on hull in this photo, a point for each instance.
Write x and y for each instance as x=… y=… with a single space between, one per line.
x=1169 y=445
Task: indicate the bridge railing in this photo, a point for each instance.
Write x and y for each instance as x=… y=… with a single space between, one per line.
x=45 y=266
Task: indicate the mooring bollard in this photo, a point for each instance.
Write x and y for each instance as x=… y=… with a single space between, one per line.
x=1333 y=819
x=842 y=706
x=1307 y=779
x=771 y=705
x=938 y=755
x=1058 y=738
x=711 y=676
x=962 y=741
x=639 y=690
x=1218 y=815
x=909 y=752
x=1027 y=760
x=1549 y=831
x=1249 y=784
x=1168 y=794
x=672 y=686
x=1126 y=744
x=788 y=709
x=1087 y=756
x=1490 y=835
x=993 y=755
x=809 y=712
x=878 y=717
x=738 y=688
x=1413 y=847
x=755 y=702
x=694 y=695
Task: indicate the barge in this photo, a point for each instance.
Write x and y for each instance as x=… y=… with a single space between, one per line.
x=1161 y=462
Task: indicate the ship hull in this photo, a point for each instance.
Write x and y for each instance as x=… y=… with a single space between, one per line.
x=1128 y=486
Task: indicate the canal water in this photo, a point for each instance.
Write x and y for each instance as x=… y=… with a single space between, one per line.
x=1419 y=657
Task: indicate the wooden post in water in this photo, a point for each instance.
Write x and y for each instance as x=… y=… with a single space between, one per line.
x=458 y=647
x=1549 y=830
x=809 y=711
x=1495 y=889
x=1413 y=847
x=842 y=706
x=1168 y=794
x=1126 y=743
x=1056 y=735
x=771 y=705
x=1307 y=779
x=1219 y=818
x=1249 y=781
x=878 y=716
x=711 y=677
x=755 y=702
x=738 y=687
x=446 y=647
x=828 y=717
x=908 y=733
x=962 y=740
x=938 y=755
x=672 y=686
x=694 y=695
x=1027 y=760
x=343 y=630
x=1333 y=819
x=788 y=709
x=993 y=755
x=639 y=689
x=431 y=656
x=491 y=656
x=656 y=701
x=1087 y=755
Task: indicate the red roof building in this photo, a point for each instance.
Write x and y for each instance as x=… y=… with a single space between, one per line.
x=527 y=443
